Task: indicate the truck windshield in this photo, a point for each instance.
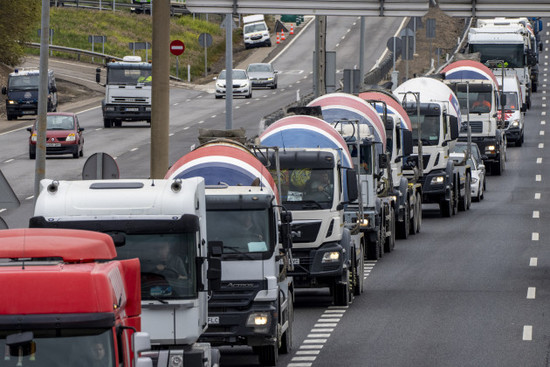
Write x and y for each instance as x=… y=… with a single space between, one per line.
x=242 y=231
x=59 y=347
x=167 y=263
x=307 y=188
x=480 y=97
x=430 y=128
x=512 y=54
x=23 y=82
x=365 y=159
x=129 y=76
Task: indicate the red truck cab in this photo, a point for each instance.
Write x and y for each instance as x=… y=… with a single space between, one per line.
x=67 y=302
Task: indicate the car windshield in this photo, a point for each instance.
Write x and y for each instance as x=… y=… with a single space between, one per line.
x=256 y=27
x=23 y=82
x=259 y=68
x=59 y=122
x=237 y=74
x=167 y=263
x=59 y=347
x=511 y=101
x=462 y=148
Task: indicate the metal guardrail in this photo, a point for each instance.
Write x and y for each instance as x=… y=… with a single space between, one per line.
x=177 y=7
x=76 y=51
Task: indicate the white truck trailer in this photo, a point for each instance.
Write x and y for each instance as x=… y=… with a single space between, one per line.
x=159 y=222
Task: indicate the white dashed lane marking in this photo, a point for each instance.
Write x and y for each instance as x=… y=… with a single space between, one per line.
x=528 y=332
x=531 y=291
x=533 y=261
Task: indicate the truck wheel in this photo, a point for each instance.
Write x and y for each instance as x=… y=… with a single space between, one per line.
x=446 y=206
x=12 y=117
x=389 y=244
x=403 y=228
x=496 y=168
x=118 y=123
x=341 y=296
x=360 y=274
x=463 y=202
x=267 y=354
x=286 y=340
x=107 y=123
x=419 y=217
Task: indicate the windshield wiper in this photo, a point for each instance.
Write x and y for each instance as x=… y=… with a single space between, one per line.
x=164 y=302
x=309 y=203
x=237 y=250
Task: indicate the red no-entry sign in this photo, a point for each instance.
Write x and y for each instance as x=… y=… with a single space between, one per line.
x=177 y=47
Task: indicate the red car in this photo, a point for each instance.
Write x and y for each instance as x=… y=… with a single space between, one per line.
x=63 y=135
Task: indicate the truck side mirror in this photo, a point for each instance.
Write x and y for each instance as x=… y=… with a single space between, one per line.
x=98 y=75
x=454 y=127
x=523 y=107
x=286 y=229
x=214 y=273
x=407 y=142
x=503 y=99
x=351 y=185
x=4 y=90
x=383 y=161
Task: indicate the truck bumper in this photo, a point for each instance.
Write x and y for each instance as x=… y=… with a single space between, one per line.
x=231 y=327
x=316 y=267
x=513 y=134
x=127 y=112
x=21 y=109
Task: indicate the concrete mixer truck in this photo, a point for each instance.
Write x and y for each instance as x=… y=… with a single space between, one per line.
x=254 y=304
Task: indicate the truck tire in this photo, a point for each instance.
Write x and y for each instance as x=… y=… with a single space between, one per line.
x=117 y=123
x=496 y=167
x=373 y=250
x=417 y=213
x=267 y=354
x=419 y=218
x=389 y=244
x=359 y=274
x=12 y=117
x=446 y=206
x=342 y=294
x=107 y=123
x=465 y=201
x=286 y=340
x=403 y=228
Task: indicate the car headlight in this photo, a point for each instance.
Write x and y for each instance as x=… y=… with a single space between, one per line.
x=437 y=180
x=330 y=257
x=270 y=78
x=71 y=137
x=490 y=148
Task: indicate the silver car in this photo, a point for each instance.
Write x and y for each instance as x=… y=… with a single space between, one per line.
x=241 y=84
x=262 y=75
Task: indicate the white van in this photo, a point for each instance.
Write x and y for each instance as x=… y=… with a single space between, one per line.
x=514 y=110
x=255 y=31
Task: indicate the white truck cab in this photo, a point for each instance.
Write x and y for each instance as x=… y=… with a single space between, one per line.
x=255 y=31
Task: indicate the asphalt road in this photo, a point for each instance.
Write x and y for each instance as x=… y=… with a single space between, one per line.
x=470 y=290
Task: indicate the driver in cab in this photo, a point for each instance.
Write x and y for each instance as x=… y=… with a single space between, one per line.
x=319 y=187
x=169 y=264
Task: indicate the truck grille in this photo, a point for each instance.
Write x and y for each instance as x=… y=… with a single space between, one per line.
x=235 y=294
x=305 y=232
x=129 y=100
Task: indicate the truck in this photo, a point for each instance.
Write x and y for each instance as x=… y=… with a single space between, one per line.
x=505 y=47
x=317 y=180
x=22 y=93
x=68 y=301
x=406 y=187
x=254 y=304
x=514 y=110
x=477 y=90
x=255 y=31
x=163 y=224
x=127 y=91
x=363 y=130
x=435 y=115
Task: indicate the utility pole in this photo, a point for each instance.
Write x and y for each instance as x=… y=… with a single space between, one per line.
x=160 y=95
x=40 y=164
x=320 y=55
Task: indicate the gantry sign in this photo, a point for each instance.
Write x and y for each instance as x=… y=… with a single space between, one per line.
x=495 y=8
x=372 y=8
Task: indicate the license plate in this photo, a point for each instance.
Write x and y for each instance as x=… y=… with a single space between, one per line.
x=30 y=112
x=53 y=145
x=213 y=320
x=295 y=261
x=132 y=109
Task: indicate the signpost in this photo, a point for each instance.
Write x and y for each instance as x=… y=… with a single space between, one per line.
x=97 y=39
x=205 y=40
x=176 y=48
x=140 y=46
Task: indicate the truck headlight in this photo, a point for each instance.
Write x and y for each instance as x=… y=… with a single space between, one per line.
x=514 y=123
x=258 y=320
x=437 y=180
x=71 y=137
x=490 y=148
x=148 y=109
x=330 y=257
x=364 y=222
x=109 y=108
x=11 y=102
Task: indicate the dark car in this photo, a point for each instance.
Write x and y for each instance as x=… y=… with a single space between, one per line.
x=63 y=135
x=262 y=75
